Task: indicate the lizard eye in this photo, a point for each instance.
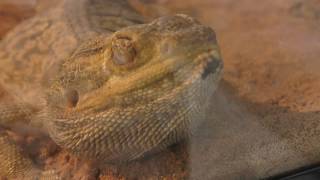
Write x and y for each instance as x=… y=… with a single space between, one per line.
x=72 y=97
x=123 y=51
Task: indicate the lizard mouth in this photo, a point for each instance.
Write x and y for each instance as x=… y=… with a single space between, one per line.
x=213 y=66
x=203 y=65
x=209 y=64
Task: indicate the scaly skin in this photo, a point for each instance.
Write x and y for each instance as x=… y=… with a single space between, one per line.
x=104 y=85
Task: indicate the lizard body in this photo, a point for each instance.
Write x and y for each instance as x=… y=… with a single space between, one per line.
x=102 y=83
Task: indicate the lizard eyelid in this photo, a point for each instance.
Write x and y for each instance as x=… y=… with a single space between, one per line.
x=123 y=51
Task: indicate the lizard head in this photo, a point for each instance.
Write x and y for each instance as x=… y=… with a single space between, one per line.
x=137 y=64
x=161 y=72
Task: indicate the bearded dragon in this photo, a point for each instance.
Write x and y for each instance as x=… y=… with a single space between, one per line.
x=104 y=82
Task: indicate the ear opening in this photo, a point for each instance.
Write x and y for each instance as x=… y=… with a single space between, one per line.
x=72 y=97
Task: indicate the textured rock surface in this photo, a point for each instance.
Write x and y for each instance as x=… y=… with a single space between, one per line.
x=266 y=113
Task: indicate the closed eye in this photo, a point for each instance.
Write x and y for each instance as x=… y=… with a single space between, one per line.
x=123 y=52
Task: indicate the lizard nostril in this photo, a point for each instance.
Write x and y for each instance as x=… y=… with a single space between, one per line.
x=72 y=97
